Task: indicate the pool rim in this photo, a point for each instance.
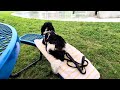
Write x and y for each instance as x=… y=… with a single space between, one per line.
x=6 y=53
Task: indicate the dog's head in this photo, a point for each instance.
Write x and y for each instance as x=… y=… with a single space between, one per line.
x=46 y=28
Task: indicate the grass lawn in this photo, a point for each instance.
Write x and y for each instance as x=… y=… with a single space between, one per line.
x=99 y=42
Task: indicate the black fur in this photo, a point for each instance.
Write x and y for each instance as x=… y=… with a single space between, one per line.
x=48 y=26
x=57 y=40
x=58 y=54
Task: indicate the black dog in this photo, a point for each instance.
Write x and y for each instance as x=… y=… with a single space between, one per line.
x=55 y=44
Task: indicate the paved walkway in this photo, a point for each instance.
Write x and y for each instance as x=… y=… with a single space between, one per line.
x=62 y=17
x=89 y=19
x=93 y=19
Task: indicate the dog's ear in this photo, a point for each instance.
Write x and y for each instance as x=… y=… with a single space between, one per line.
x=42 y=29
x=52 y=28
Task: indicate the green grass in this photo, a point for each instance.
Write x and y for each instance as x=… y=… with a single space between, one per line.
x=98 y=41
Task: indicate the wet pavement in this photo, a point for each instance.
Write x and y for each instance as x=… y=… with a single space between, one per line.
x=79 y=16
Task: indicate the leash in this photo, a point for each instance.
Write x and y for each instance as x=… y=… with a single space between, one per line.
x=80 y=66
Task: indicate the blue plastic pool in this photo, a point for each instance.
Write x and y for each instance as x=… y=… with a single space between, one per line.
x=9 y=49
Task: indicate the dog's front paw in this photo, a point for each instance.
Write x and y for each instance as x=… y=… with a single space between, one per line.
x=43 y=41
